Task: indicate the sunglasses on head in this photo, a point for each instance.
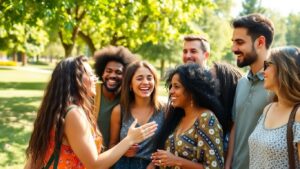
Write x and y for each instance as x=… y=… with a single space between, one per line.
x=267 y=64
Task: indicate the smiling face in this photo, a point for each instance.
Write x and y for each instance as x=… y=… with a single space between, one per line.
x=142 y=82
x=178 y=95
x=270 y=77
x=243 y=47
x=192 y=52
x=89 y=79
x=112 y=76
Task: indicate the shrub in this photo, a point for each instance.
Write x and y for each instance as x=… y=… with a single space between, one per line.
x=8 y=63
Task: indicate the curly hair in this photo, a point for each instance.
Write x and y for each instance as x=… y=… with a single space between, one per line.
x=227 y=77
x=65 y=87
x=200 y=84
x=118 y=54
x=287 y=62
x=256 y=25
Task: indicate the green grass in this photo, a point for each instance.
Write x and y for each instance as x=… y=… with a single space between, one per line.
x=20 y=95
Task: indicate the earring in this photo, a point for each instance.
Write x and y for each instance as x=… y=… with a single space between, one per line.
x=192 y=103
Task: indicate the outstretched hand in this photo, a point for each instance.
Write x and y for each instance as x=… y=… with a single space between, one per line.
x=139 y=134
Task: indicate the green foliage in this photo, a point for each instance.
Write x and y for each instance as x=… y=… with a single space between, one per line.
x=293 y=32
x=252 y=6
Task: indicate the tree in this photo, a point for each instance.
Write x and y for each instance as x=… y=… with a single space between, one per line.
x=293 y=32
x=252 y=6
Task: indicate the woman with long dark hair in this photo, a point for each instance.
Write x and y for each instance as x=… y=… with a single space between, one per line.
x=65 y=134
x=192 y=134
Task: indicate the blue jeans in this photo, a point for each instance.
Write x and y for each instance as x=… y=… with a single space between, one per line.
x=131 y=163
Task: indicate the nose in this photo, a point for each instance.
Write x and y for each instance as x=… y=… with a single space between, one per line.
x=234 y=48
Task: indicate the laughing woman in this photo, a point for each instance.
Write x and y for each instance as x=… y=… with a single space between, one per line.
x=138 y=101
x=268 y=141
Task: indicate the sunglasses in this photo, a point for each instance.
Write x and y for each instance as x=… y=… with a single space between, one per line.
x=267 y=64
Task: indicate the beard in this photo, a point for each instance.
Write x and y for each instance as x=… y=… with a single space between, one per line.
x=112 y=89
x=249 y=58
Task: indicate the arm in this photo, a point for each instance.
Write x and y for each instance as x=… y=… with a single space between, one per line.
x=297 y=118
x=78 y=133
x=230 y=148
x=115 y=126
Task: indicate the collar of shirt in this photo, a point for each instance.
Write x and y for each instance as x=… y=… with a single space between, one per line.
x=255 y=77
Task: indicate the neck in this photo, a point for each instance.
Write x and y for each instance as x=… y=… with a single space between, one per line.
x=191 y=111
x=109 y=95
x=283 y=102
x=259 y=63
x=142 y=102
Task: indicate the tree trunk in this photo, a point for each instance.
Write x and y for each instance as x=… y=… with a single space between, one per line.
x=37 y=58
x=24 y=59
x=162 y=68
x=88 y=40
x=14 y=55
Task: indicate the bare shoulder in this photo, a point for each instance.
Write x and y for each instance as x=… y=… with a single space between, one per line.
x=297 y=118
x=76 y=118
x=116 y=110
x=267 y=107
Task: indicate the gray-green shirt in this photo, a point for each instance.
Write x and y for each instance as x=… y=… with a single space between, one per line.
x=250 y=100
x=103 y=120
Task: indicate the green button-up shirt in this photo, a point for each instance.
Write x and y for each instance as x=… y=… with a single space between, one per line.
x=250 y=100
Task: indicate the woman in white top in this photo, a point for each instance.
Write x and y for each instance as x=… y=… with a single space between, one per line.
x=268 y=142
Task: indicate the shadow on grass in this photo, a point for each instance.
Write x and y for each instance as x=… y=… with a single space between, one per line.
x=17 y=117
x=23 y=85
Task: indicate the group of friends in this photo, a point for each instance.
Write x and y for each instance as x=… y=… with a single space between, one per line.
x=214 y=117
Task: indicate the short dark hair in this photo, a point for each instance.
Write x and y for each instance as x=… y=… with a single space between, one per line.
x=257 y=25
x=204 y=44
x=118 y=54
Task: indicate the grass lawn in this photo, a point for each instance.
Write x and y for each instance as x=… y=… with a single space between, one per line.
x=21 y=91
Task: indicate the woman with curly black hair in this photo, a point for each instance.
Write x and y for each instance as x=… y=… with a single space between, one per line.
x=192 y=134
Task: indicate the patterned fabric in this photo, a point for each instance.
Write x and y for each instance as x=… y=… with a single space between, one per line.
x=202 y=143
x=268 y=147
x=67 y=158
x=146 y=148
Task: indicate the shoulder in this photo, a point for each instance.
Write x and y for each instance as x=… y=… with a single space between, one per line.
x=297 y=118
x=116 y=111
x=267 y=108
x=209 y=118
x=76 y=119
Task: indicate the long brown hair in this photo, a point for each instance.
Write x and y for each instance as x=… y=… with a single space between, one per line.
x=65 y=87
x=287 y=62
x=127 y=96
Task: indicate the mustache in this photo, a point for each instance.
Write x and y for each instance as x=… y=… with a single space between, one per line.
x=237 y=52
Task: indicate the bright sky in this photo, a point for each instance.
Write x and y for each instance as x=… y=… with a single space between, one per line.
x=283 y=6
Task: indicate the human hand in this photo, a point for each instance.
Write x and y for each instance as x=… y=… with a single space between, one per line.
x=163 y=158
x=131 y=152
x=139 y=134
x=150 y=166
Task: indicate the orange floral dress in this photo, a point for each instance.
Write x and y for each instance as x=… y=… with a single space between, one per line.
x=67 y=158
